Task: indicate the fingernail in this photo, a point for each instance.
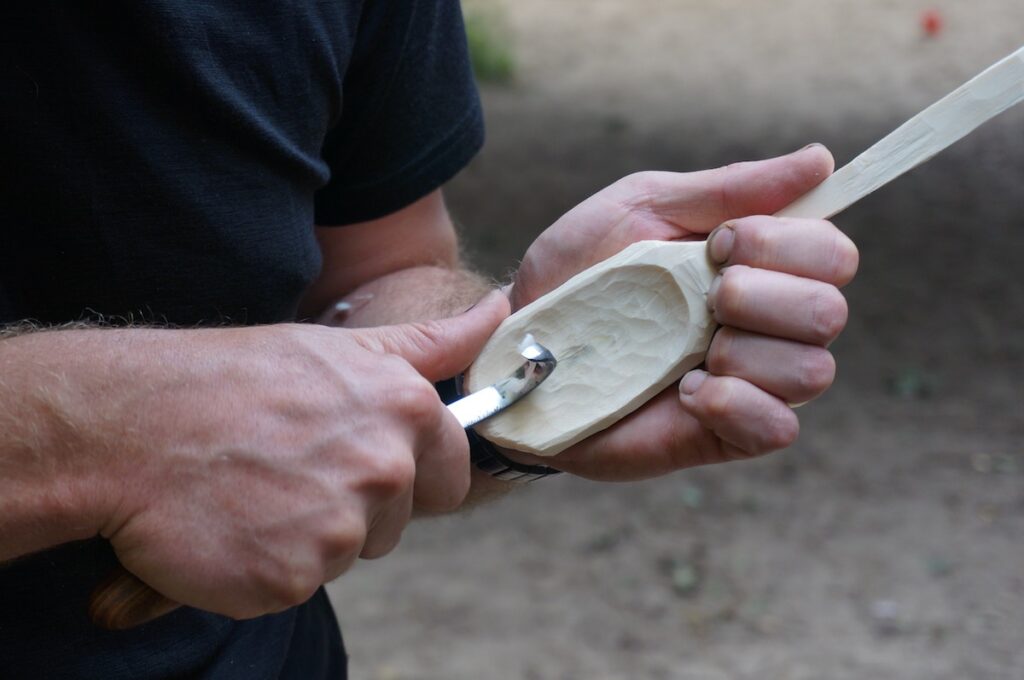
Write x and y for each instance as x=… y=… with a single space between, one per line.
x=692 y=381
x=713 y=292
x=720 y=243
x=810 y=146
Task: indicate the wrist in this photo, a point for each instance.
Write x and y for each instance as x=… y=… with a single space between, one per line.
x=398 y=297
x=57 y=484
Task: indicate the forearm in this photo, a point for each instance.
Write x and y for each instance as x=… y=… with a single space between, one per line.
x=55 y=483
x=414 y=294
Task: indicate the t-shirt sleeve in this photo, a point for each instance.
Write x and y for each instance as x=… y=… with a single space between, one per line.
x=411 y=115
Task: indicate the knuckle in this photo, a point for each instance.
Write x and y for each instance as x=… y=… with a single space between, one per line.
x=636 y=182
x=718 y=359
x=753 y=237
x=719 y=400
x=427 y=335
x=638 y=189
x=418 y=403
x=391 y=474
x=292 y=585
x=845 y=259
x=730 y=298
x=422 y=337
x=816 y=374
x=729 y=178
x=781 y=431
x=343 y=541
x=829 y=314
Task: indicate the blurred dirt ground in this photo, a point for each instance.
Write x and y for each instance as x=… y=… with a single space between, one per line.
x=889 y=541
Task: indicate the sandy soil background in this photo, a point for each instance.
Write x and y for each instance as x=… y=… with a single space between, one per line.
x=889 y=541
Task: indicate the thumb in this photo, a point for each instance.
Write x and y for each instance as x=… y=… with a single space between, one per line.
x=700 y=201
x=765 y=187
x=442 y=348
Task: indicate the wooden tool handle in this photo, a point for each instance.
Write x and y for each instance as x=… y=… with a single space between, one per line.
x=122 y=601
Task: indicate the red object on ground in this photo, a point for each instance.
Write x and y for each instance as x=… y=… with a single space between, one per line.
x=931 y=22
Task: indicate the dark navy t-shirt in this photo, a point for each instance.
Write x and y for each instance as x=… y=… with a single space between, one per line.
x=164 y=161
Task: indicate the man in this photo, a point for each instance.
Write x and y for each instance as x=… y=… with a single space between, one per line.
x=165 y=163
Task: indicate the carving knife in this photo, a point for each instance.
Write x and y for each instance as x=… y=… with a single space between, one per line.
x=123 y=601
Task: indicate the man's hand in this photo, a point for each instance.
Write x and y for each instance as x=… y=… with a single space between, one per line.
x=777 y=300
x=243 y=468
x=294 y=450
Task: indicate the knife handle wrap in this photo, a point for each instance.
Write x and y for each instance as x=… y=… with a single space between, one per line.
x=484 y=455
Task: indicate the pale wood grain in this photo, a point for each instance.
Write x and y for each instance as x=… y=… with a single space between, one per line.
x=628 y=327
x=953 y=117
x=622 y=331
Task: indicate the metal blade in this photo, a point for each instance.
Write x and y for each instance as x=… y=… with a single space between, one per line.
x=487 y=402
